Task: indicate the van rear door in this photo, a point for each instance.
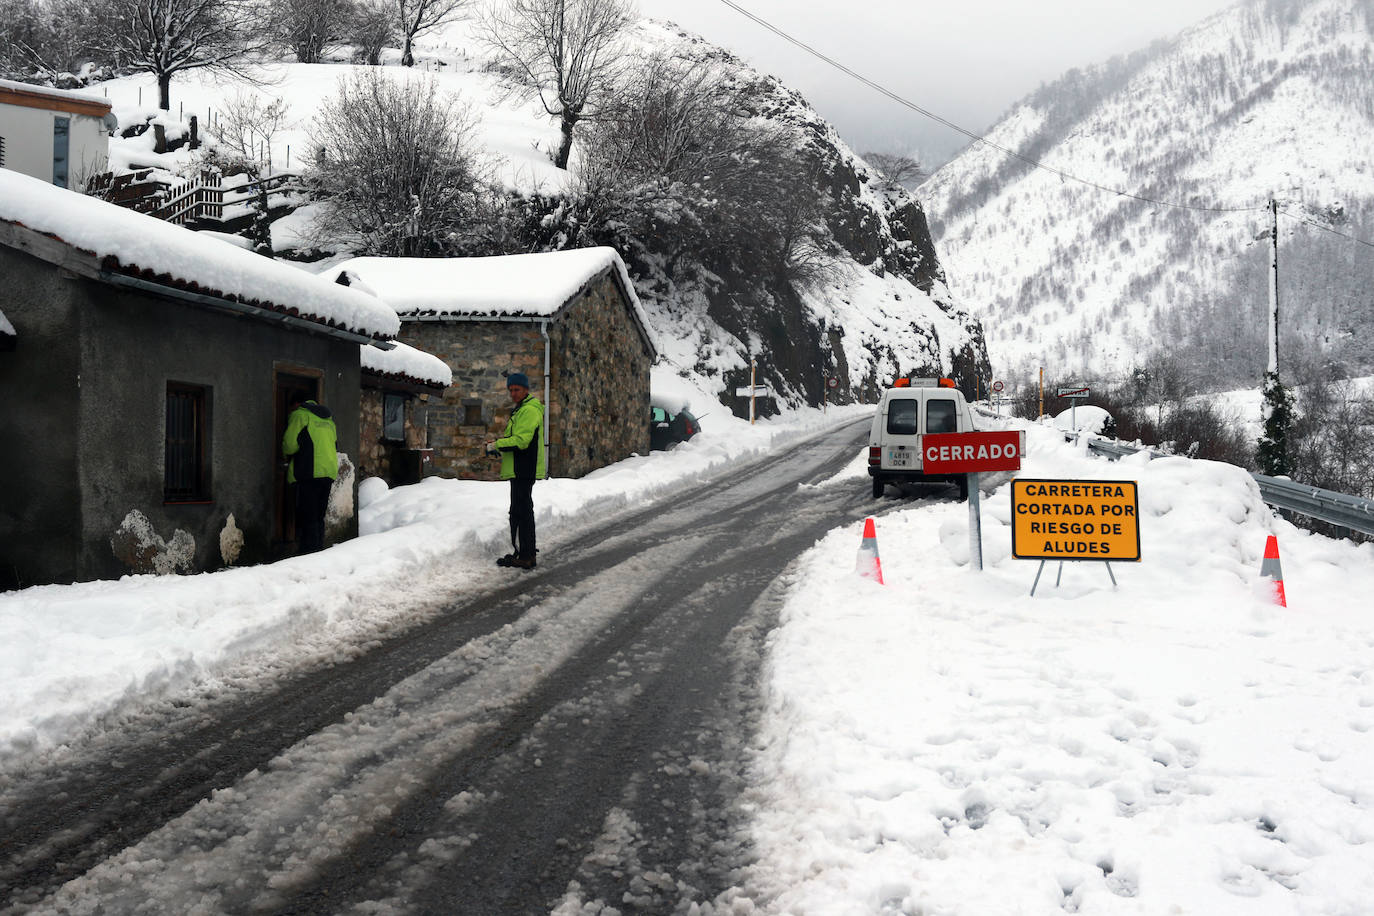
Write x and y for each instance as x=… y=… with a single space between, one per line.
x=942 y=415
x=901 y=433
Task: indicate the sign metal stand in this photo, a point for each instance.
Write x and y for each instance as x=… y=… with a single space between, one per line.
x=1060 y=575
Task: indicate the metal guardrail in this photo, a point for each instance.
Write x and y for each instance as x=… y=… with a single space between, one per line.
x=1353 y=512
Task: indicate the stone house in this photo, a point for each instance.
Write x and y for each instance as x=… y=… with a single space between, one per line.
x=54 y=135
x=143 y=402
x=397 y=386
x=570 y=320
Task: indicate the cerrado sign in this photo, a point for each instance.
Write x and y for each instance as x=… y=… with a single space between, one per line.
x=1074 y=520
x=971 y=453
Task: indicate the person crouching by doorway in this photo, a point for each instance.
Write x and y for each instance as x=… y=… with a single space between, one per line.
x=311 y=446
x=522 y=463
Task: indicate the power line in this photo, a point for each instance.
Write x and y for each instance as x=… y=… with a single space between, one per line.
x=1317 y=225
x=977 y=138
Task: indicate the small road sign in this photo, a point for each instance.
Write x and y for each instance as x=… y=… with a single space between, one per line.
x=832 y=382
x=1072 y=392
x=758 y=391
x=971 y=453
x=998 y=386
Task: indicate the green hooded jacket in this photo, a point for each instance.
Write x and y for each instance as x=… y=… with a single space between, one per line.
x=311 y=442
x=522 y=446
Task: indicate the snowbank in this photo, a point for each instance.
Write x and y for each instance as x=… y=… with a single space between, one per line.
x=948 y=744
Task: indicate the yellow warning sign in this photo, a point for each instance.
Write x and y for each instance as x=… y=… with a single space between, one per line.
x=1074 y=520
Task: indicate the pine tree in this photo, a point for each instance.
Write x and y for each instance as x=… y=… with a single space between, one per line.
x=1272 y=452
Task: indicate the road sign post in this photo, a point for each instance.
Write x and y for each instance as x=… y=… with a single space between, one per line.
x=972 y=454
x=1075 y=395
x=752 y=392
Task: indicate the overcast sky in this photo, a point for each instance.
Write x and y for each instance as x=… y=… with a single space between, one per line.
x=966 y=60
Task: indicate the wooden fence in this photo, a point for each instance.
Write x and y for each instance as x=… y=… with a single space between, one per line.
x=200 y=202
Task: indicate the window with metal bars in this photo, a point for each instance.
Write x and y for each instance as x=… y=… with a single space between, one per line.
x=187 y=469
x=2 y=152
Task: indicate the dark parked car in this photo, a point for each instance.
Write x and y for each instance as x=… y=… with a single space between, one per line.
x=667 y=429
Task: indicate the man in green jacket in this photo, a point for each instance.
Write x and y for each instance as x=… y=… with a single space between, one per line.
x=311 y=444
x=522 y=463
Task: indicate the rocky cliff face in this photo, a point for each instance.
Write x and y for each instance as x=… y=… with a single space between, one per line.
x=877 y=307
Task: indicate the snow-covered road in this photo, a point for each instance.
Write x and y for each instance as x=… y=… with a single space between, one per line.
x=572 y=738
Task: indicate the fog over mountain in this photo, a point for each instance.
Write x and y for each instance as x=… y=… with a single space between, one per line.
x=1268 y=98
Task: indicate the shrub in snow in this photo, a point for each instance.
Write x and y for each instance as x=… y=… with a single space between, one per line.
x=396 y=167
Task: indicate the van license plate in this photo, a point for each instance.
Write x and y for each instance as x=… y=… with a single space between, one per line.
x=899 y=457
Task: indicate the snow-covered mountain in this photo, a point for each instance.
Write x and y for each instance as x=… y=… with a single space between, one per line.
x=1267 y=98
x=878 y=308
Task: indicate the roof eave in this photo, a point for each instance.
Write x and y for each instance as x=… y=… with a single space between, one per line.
x=58 y=252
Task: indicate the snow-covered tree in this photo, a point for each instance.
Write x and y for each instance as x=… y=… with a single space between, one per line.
x=896 y=168
x=415 y=17
x=371 y=28
x=167 y=37
x=674 y=161
x=396 y=166
x=567 y=53
x=306 y=26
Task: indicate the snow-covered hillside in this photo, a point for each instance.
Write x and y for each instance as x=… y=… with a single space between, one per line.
x=1271 y=97
x=882 y=309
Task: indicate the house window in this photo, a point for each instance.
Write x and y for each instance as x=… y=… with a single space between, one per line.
x=472 y=413
x=186 y=469
x=61 y=147
x=394 y=417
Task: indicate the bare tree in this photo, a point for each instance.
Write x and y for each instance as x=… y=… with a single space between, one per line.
x=898 y=169
x=372 y=27
x=567 y=53
x=396 y=166
x=418 y=16
x=44 y=37
x=306 y=26
x=167 y=37
x=690 y=176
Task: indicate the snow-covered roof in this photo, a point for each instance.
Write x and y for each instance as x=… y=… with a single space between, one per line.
x=121 y=242
x=61 y=99
x=407 y=364
x=518 y=286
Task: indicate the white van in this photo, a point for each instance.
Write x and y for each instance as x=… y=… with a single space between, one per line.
x=905 y=414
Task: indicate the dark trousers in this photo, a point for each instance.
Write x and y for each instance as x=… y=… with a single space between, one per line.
x=312 y=499
x=522 y=518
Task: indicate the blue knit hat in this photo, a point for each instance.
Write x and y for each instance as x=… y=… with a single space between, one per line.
x=518 y=378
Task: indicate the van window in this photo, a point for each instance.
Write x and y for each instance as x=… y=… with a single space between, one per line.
x=901 y=416
x=940 y=416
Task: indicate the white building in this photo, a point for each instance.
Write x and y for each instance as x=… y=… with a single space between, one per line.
x=53 y=134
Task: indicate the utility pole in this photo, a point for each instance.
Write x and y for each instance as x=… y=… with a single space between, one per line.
x=1271 y=454
x=1274 y=290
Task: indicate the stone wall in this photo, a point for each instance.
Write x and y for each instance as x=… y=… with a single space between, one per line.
x=599 y=385
x=600 y=393
x=474 y=409
x=378 y=457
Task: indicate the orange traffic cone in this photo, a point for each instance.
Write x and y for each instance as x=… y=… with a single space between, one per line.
x=1272 y=568
x=868 y=565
